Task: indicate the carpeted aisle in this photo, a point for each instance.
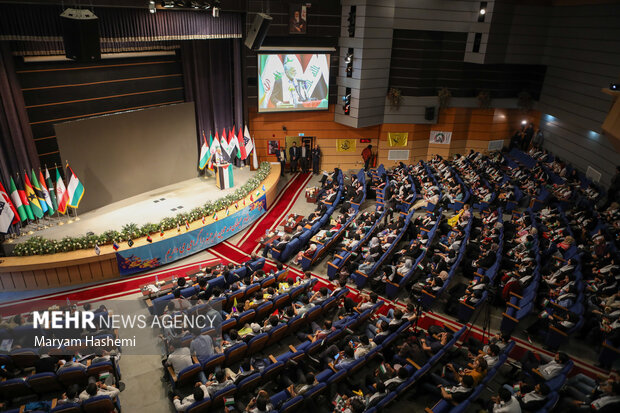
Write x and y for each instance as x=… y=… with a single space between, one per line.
x=275 y=214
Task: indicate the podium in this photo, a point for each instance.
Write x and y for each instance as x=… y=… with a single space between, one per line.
x=224 y=176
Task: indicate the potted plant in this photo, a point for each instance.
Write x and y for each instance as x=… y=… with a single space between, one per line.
x=444 y=97
x=484 y=99
x=395 y=97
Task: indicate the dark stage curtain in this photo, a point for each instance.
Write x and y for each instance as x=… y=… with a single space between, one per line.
x=212 y=76
x=37 y=29
x=17 y=149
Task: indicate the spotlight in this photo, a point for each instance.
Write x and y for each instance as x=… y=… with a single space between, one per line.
x=216 y=11
x=523 y=122
x=483 y=11
x=152 y=8
x=168 y=4
x=348 y=58
x=613 y=86
x=180 y=3
x=195 y=5
x=206 y=6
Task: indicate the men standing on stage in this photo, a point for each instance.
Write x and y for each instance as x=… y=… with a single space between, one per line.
x=294 y=156
x=219 y=158
x=282 y=159
x=303 y=158
x=316 y=159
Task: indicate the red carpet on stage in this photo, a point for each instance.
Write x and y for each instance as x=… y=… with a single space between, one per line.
x=274 y=214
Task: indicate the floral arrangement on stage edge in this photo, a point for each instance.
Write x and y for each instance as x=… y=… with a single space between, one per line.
x=41 y=246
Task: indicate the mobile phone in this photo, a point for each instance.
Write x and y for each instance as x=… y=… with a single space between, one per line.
x=74 y=359
x=336 y=356
x=3 y=367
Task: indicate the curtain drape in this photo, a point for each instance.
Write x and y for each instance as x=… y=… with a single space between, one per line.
x=37 y=29
x=212 y=76
x=17 y=148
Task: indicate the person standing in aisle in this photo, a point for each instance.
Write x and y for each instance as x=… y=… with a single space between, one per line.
x=316 y=159
x=282 y=159
x=294 y=157
x=367 y=156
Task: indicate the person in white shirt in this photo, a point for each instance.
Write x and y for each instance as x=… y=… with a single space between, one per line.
x=99 y=389
x=199 y=393
x=505 y=402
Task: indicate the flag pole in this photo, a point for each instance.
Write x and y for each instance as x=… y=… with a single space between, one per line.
x=60 y=216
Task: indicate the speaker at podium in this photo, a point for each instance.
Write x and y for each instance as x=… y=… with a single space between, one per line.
x=224 y=176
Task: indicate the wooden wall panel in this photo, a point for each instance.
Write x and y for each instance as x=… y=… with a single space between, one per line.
x=52 y=277
x=32 y=279
x=95 y=270
x=109 y=268
x=74 y=274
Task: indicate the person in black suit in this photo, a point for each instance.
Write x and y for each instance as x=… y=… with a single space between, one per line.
x=294 y=157
x=282 y=159
x=304 y=152
x=316 y=159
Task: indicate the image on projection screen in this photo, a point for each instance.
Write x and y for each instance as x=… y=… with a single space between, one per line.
x=290 y=82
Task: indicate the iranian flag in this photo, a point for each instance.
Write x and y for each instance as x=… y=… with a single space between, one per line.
x=75 y=189
x=17 y=202
x=205 y=154
x=8 y=214
x=61 y=193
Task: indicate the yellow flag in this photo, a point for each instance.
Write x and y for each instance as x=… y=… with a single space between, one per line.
x=398 y=138
x=346 y=145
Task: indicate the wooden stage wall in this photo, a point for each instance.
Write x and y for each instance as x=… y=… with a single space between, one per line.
x=83 y=266
x=471 y=129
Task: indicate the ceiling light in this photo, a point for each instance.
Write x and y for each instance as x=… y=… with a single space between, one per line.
x=168 y=4
x=349 y=58
x=483 y=11
x=216 y=11
x=152 y=8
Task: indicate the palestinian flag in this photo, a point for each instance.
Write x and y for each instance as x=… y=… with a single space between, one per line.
x=39 y=192
x=37 y=211
x=225 y=177
x=75 y=188
x=17 y=202
x=61 y=193
x=50 y=187
x=46 y=194
x=205 y=153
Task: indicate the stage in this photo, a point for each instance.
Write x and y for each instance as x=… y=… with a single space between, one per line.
x=85 y=266
x=148 y=207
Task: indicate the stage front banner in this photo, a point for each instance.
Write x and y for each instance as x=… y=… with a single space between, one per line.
x=163 y=252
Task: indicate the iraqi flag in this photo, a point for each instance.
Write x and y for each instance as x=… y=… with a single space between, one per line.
x=8 y=214
x=75 y=189
x=17 y=202
x=226 y=147
x=225 y=177
x=61 y=193
x=247 y=142
x=205 y=153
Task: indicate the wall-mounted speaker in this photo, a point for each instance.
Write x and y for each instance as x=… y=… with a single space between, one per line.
x=80 y=34
x=258 y=31
x=429 y=113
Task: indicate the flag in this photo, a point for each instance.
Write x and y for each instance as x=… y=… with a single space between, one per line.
x=115 y=246
x=178 y=227
x=235 y=142
x=50 y=188
x=187 y=225
x=161 y=233
x=130 y=242
x=75 y=189
x=263 y=187
x=225 y=177
x=226 y=149
x=61 y=193
x=215 y=216
x=17 y=202
x=248 y=144
x=203 y=219
x=254 y=158
x=205 y=154
x=241 y=153
x=24 y=198
x=227 y=211
x=149 y=239
x=39 y=192
x=32 y=198
x=8 y=214
x=251 y=198
x=46 y=194
x=213 y=144
x=97 y=249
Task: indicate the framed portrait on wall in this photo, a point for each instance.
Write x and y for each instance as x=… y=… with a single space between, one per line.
x=297 y=18
x=273 y=147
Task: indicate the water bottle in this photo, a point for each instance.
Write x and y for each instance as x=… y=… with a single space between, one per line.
x=156 y=280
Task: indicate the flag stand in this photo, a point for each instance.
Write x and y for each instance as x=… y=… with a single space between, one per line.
x=76 y=215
